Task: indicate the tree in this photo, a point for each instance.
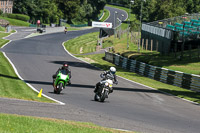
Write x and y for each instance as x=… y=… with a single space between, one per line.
x=52 y=10
x=69 y=8
x=97 y=5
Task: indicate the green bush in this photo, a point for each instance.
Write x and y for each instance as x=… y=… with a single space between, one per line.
x=15 y=21
x=18 y=16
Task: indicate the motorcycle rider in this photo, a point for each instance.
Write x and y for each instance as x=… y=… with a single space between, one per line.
x=103 y=75
x=65 y=67
x=65 y=30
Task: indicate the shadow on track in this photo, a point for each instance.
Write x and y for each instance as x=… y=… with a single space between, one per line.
x=86 y=86
x=38 y=82
x=76 y=64
x=11 y=77
x=117 y=88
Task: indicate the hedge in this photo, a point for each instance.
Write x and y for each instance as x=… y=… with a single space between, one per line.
x=18 y=16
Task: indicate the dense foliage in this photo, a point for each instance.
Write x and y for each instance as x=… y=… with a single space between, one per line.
x=160 y=9
x=82 y=11
x=50 y=11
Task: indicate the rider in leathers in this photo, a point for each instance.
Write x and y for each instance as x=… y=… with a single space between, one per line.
x=103 y=75
x=65 y=67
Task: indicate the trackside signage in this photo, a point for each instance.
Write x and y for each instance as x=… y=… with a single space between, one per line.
x=101 y=24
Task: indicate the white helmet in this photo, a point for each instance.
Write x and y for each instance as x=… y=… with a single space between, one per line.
x=112 y=70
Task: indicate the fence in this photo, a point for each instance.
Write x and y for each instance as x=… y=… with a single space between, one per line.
x=176 y=78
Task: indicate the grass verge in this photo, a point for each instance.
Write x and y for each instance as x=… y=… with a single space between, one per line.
x=97 y=60
x=82 y=44
x=15 y=22
x=13 y=87
x=69 y=28
x=105 y=16
x=24 y=124
x=3 y=41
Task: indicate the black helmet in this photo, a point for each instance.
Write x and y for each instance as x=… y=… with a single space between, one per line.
x=65 y=66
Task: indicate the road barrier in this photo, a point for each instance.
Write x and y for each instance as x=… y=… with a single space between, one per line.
x=176 y=78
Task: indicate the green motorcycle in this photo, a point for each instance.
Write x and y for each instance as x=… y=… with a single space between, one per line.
x=61 y=80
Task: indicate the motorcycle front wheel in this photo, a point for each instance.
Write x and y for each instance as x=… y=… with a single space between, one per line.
x=104 y=95
x=60 y=88
x=96 y=97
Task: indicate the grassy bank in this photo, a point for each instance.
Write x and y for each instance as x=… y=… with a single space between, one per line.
x=69 y=28
x=82 y=44
x=189 y=64
x=97 y=60
x=23 y=124
x=2 y=34
x=12 y=87
x=15 y=22
x=105 y=16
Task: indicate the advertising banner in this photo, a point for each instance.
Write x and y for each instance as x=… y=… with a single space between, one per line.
x=101 y=24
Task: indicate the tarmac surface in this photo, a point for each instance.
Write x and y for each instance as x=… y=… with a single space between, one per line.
x=131 y=106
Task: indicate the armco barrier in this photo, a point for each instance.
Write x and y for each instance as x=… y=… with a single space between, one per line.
x=176 y=78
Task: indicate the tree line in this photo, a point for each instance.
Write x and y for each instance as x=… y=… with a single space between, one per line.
x=160 y=9
x=50 y=11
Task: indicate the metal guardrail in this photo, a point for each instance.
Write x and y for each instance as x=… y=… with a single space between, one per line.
x=176 y=78
x=80 y=25
x=167 y=33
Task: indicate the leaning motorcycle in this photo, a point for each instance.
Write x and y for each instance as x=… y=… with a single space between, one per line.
x=104 y=91
x=60 y=81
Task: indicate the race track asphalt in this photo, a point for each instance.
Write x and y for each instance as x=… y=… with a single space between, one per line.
x=131 y=106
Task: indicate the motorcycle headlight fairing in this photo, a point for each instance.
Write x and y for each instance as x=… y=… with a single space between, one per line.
x=106 y=84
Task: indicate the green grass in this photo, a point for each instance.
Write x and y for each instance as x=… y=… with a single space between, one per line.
x=69 y=28
x=2 y=28
x=3 y=34
x=12 y=87
x=87 y=43
x=83 y=44
x=25 y=124
x=77 y=28
x=105 y=16
x=15 y=22
x=3 y=41
x=188 y=65
x=74 y=45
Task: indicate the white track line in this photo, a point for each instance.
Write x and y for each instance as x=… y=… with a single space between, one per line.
x=108 y=16
x=134 y=81
x=28 y=83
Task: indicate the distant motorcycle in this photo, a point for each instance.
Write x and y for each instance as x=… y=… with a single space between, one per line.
x=104 y=89
x=60 y=81
x=65 y=30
